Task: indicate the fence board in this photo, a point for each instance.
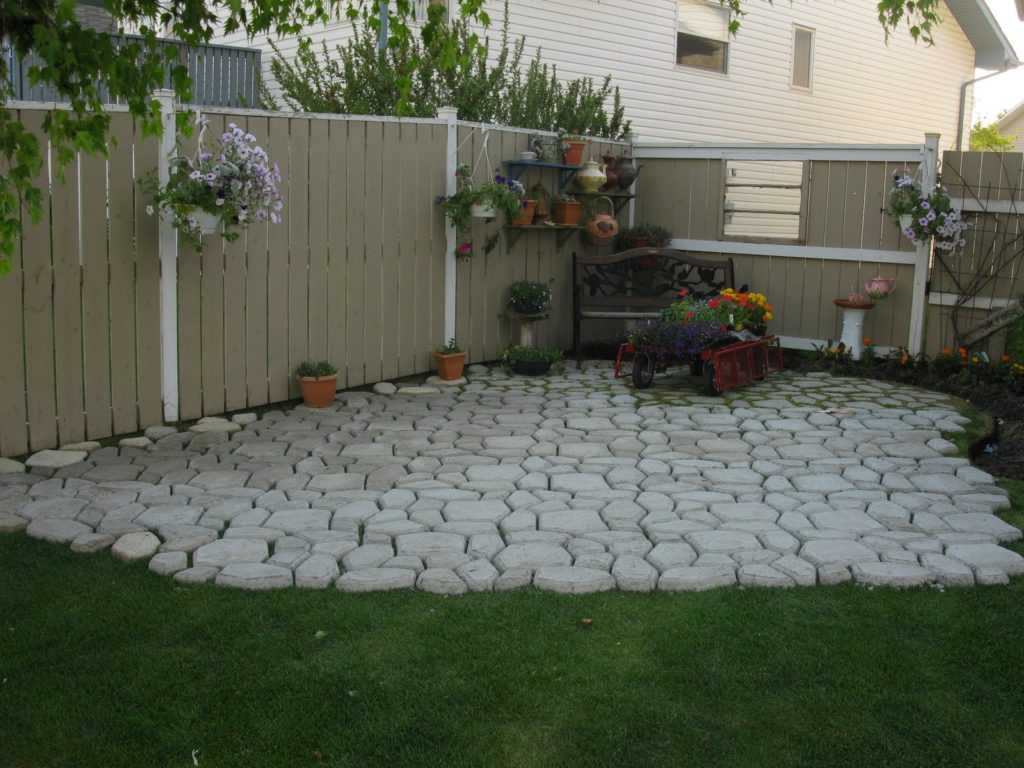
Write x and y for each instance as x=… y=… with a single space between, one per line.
x=95 y=298
x=372 y=335
x=318 y=219
x=278 y=371
x=13 y=414
x=298 y=249
x=147 y=289
x=356 y=303
x=256 y=309
x=212 y=311
x=337 y=243
x=67 y=305
x=413 y=192
x=393 y=178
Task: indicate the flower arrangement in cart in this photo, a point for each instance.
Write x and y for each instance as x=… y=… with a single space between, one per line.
x=691 y=324
x=227 y=188
x=923 y=218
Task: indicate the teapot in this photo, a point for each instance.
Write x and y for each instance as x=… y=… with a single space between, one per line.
x=592 y=177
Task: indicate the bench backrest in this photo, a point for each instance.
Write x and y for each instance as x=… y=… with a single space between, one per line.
x=647 y=277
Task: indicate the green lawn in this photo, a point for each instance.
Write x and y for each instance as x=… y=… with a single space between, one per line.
x=104 y=664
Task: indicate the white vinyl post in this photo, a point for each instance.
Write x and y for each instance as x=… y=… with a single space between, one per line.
x=167 y=244
x=919 y=303
x=633 y=140
x=451 y=116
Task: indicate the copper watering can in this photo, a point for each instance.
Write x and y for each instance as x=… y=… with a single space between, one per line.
x=602 y=228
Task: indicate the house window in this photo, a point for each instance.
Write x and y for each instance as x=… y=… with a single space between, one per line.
x=803 y=57
x=702 y=40
x=763 y=200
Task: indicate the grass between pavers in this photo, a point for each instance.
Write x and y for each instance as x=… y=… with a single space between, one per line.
x=104 y=664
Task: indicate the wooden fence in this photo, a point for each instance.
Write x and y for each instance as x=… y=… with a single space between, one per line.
x=985 y=276
x=80 y=346
x=845 y=238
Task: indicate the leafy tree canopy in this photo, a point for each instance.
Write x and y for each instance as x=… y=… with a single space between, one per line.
x=80 y=62
x=985 y=137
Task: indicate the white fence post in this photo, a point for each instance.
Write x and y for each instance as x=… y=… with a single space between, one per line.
x=919 y=303
x=167 y=244
x=451 y=116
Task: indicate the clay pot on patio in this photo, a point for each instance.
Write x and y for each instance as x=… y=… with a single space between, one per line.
x=568 y=213
x=318 y=391
x=449 y=366
x=526 y=213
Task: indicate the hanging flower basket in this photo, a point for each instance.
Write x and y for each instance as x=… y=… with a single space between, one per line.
x=925 y=219
x=208 y=223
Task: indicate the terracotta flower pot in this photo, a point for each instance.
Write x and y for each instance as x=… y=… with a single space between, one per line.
x=574 y=151
x=318 y=392
x=526 y=212
x=568 y=213
x=449 y=367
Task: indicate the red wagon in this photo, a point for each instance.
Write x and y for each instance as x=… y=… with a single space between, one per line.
x=723 y=367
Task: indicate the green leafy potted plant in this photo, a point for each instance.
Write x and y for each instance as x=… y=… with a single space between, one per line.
x=318 y=382
x=228 y=187
x=450 y=361
x=483 y=201
x=643 y=236
x=531 y=361
x=575 y=147
x=529 y=298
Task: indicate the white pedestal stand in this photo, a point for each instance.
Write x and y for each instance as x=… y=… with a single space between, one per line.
x=853 y=328
x=528 y=329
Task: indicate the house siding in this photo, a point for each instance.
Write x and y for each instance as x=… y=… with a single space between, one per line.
x=1014 y=127
x=864 y=90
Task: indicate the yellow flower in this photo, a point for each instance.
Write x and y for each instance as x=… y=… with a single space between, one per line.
x=769 y=316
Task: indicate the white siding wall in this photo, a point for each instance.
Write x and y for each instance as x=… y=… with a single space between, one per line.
x=1015 y=128
x=864 y=90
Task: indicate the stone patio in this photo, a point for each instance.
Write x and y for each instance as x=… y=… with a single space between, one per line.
x=573 y=483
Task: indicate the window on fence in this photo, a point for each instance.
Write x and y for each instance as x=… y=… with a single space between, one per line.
x=703 y=36
x=803 y=57
x=763 y=200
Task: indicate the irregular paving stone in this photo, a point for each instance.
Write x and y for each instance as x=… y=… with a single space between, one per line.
x=633 y=574
x=317 y=572
x=696 y=578
x=479 y=575
x=891 y=574
x=759 y=575
x=10 y=466
x=430 y=543
x=722 y=541
x=376 y=580
x=57 y=530
x=55 y=459
x=199 y=574
x=254 y=576
x=88 y=543
x=948 y=571
x=168 y=563
x=11 y=523
x=976 y=522
x=531 y=555
x=572 y=581
x=135 y=546
x=836 y=552
x=990 y=556
x=441 y=581
x=671 y=554
x=224 y=552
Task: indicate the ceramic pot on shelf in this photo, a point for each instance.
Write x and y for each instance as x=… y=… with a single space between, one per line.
x=574 y=151
x=567 y=213
x=627 y=171
x=591 y=178
x=526 y=212
x=611 y=172
x=603 y=228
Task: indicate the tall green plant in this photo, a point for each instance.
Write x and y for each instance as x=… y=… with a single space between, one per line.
x=360 y=79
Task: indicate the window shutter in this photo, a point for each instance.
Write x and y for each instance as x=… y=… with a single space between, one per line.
x=803 y=53
x=701 y=19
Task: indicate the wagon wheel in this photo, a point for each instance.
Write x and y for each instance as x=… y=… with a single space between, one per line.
x=710 y=385
x=643 y=370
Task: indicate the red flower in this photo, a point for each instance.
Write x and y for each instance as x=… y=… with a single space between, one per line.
x=683 y=293
x=690 y=315
x=714 y=304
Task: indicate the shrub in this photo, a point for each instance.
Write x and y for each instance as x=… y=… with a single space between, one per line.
x=521 y=354
x=529 y=298
x=312 y=370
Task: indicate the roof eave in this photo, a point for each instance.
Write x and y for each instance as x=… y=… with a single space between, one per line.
x=992 y=48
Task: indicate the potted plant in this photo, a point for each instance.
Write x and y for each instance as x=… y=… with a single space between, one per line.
x=531 y=361
x=568 y=211
x=643 y=236
x=575 y=146
x=529 y=298
x=318 y=382
x=484 y=201
x=226 y=188
x=527 y=209
x=923 y=219
x=540 y=193
x=450 y=361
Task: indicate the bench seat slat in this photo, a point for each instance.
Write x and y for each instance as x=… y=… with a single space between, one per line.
x=621 y=315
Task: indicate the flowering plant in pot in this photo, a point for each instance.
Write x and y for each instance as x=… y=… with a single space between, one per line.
x=482 y=201
x=318 y=382
x=450 y=361
x=735 y=310
x=531 y=361
x=926 y=218
x=229 y=187
x=529 y=298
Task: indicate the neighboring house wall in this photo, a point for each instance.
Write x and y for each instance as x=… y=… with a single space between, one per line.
x=863 y=90
x=1013 y=125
